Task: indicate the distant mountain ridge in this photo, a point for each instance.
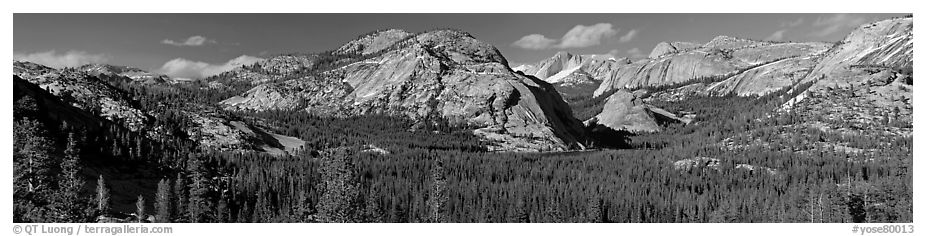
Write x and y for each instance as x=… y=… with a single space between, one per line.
x=132 y=73
x=84 y=91
x=84 y=88
x=732 y=66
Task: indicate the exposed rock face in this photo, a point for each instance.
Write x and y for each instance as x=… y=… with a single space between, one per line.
x=862 y=88
x=625 y=111
x=52 y=107
x=568 y=68
x=133 y=74
x=667 y=70
x=665 y=48
x=554 y=69
x=752 y=67
x=726 y=42
x=764 y=79
x=689 y=163
x=865 y=85
x=574 y=76
x=217 y=132
x=269 y=70
x=308 y=91
x=374 y=42
x=445 y=73
x=28 y=70
x=85 y=92
x=886 y=43
x=716 y=164
x=95 y=99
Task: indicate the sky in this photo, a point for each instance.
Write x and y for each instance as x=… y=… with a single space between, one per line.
x=199 y=45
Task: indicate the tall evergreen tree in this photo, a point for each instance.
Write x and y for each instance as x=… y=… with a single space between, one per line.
x=32 y=157
x=221 y=210
x=68 y=204
x=102 y=196
x=200 y=207
x=163 y=202
x=181 y=197
x=437 y=196
x=140 y=209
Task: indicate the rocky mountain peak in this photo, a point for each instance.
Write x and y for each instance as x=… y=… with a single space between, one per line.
x=443 y=74
x=84 y=91
x=730 y=42
x=374 y=42
x=665 y=48
x=132 y=73
x=563 y=55
x=662 y=48
x=27 y=69
x=460 y=47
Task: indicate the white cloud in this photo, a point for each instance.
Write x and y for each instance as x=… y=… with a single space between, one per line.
x=68 y=59
x=582 y=36
x=183 y=68
x=777 y=36
x=837 y=22
x=193 y=41
x=629 y=36
x=534 y=42
x=578 y=37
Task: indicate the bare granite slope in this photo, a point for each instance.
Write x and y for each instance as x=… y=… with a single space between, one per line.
x=443 y=73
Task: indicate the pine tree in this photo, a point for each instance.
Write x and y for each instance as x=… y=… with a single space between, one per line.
x=68 y=203
x=32 y=157
x=437 y=196
x=221 y=210
x=163 y=202
x=180 y=196
x=140 y=209
x=200 y=206
x=102 y=196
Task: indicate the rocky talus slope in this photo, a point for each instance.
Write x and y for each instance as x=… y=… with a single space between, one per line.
x=272 y=69
x=862 y=90
x=445 y=74
x=865 y=81
x=374 y=42
x=87 y=97
x=84 y=91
